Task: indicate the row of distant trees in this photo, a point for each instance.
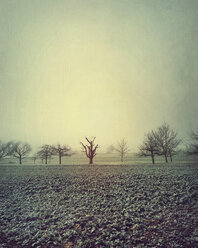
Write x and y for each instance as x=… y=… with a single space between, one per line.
x=16 y=149
x=163 y=141
x=21 y=150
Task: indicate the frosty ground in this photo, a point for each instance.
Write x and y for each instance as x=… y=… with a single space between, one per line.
x=137 y=205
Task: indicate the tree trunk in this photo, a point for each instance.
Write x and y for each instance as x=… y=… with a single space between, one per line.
x=122 y=157
x=166 y=159
x=91 y=160
x=20 y=160
x=153 y=159
x=59 y=158
x=171 y=157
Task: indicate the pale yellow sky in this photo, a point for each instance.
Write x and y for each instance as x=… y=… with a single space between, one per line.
x=110 y=69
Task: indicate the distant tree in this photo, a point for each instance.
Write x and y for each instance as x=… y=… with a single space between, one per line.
x=40 y=156
x=193 y=147
x=20 y=150
x=34 y=158
x=122 y=148
x=149 y=147
x=61 y=151
x=90 y=149
x=110 y=149
x=45 y=152
x=5 y=149
x=167 y=141
x=42 y=159
x=173 y=145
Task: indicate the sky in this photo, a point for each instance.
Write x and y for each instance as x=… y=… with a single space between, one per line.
x=104 y=68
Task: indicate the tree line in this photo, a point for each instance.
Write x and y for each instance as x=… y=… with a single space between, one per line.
x=20 y=150
x=163 y=141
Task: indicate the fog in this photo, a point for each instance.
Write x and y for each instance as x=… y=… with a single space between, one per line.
x=110 y=69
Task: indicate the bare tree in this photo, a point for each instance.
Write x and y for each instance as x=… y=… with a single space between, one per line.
x=167 y=141
x=122 y=148
x=173 y=145
x=20 y=150
x=40 y=156
x=35 y=157
x=42 y=159
x=61 y=151
x=149 y=147
x=193 y=147
x=5 y=149
x=45 y=152
x=90 y=149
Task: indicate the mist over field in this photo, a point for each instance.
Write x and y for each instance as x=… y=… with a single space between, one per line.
x=100 y=159
x=98 y=123
x=110 y=69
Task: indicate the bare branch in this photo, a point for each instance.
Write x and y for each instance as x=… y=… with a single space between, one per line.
x=193 y=147
x=85 y=149
x=5 y=149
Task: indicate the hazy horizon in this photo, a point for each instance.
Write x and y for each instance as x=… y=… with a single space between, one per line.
x=110 y=69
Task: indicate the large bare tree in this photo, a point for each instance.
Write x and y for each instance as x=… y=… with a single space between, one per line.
x=61 y=151
x=167 y=141
x=193 y=147
x=90 y=149
x=122 y=148
x=5 y=149
x=20 y=150
x=45 y=152
x=149 y=147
